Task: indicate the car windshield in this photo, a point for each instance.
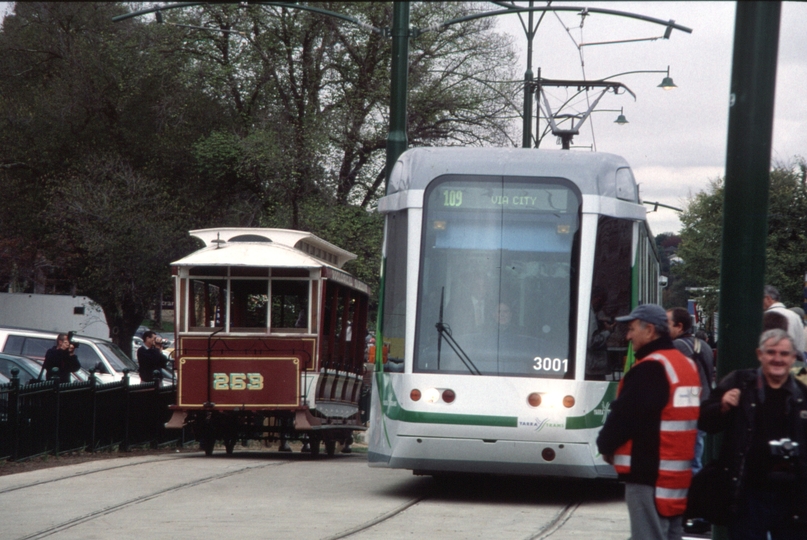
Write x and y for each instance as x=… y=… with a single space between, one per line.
x=116 y=357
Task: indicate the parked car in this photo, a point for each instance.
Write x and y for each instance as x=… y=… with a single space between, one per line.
x=106 y=358
x=31 y=370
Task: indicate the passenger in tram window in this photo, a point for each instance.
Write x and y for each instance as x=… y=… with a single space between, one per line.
x=649 y=434
x=503 y=317
x=470 y=307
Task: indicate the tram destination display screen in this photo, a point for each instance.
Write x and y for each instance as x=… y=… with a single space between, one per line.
x=514 y=198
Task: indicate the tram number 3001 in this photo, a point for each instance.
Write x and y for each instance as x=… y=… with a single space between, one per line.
x=550 y=364
x=237 y=381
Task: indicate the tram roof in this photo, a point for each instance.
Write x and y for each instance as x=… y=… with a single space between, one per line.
x=278 y=248
x=593 y=172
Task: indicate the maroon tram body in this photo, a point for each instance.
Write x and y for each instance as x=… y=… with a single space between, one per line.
x=270 y=339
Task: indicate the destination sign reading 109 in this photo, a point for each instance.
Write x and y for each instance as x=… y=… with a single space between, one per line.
x=513 y=197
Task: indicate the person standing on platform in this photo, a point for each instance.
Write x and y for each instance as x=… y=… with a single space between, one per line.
x=762 y=413
x=649 y=434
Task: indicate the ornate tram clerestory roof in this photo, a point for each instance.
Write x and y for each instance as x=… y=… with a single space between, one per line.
x=247 y=246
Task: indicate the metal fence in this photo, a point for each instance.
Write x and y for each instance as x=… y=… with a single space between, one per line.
x=52 y=418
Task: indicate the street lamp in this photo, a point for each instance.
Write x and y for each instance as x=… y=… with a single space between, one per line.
x=566 y=135
x=621 y=120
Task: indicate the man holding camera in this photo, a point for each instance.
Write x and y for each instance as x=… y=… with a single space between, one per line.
x=150 y=357
x=62 y=358
x=763 y=413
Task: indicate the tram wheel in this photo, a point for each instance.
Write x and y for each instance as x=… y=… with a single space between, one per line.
x=314 y=447
x=330 y=447
x=229 y=445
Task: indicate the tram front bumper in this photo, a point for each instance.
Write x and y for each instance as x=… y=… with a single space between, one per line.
x=437 y=454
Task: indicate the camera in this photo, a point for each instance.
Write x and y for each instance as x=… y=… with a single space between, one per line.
x=70 y=339
x=784 y=448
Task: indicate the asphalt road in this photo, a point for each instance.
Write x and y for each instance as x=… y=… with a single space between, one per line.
x=275 y=495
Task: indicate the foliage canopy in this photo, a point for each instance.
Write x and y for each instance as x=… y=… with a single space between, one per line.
x=117 y=138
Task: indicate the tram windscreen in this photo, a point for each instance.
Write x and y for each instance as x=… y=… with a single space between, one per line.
x=497 y=277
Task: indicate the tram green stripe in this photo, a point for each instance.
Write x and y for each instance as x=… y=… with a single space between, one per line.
x=392 y=409
x=399 y=413
x=595 y=417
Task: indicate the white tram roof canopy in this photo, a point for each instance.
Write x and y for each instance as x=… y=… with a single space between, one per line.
x=279 y=248
x=595 y=173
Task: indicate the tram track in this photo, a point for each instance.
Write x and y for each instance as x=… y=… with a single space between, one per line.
x=143 y=498
x=380 y=519
x=557 y=522
x=546 y=531
x=85 y=473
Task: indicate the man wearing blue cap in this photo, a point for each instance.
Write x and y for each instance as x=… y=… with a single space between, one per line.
x=649 y=434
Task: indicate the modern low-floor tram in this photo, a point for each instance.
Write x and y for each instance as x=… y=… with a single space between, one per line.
x=503 y=271
x=270 y=339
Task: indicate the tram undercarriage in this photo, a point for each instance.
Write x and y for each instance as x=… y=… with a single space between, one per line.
x=229 y=427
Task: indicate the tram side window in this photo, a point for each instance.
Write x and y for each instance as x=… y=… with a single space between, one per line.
x=395 y=285
x=207 y=303
x=289 y=305
x=249 y=301
x=610 y=298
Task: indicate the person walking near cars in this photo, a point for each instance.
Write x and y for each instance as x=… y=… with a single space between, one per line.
x=763 y=414
x=61 y=357
x=649 y=434
x=149 y=357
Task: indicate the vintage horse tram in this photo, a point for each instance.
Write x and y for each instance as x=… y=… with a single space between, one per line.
x=270 y=339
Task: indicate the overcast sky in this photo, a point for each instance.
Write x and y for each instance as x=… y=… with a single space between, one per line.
x=675 y=140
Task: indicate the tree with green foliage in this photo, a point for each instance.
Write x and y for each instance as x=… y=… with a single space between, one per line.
x=786 y=262
x=117 y=138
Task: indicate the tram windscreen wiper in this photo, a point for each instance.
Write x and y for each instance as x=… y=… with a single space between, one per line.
x=444 y=332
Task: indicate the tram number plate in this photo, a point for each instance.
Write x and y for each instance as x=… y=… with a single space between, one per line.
x=237 y=381
x=550 y=364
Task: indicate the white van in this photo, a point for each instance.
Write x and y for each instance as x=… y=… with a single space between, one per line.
x=105 y=357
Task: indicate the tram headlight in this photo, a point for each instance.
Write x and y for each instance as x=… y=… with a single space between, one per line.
x=568 y=401
x=449 y=395
x=414 y=395
x=431 y=395
x=534 y=399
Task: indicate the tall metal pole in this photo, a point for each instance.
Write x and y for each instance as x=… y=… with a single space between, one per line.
x=397 y=140
x=526 y=132
x=745 y=204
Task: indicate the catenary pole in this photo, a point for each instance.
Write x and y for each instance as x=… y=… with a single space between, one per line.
x=745 y=204
x=397 y=140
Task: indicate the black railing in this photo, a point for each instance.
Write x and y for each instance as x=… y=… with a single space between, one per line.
x=52 y=418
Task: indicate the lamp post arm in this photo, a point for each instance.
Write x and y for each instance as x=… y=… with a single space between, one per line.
x=272 y=4
x=138 y=13
x=667 y=71
x=670 y=25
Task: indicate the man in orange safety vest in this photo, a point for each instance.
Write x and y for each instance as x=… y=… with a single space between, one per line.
x=649 y=435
